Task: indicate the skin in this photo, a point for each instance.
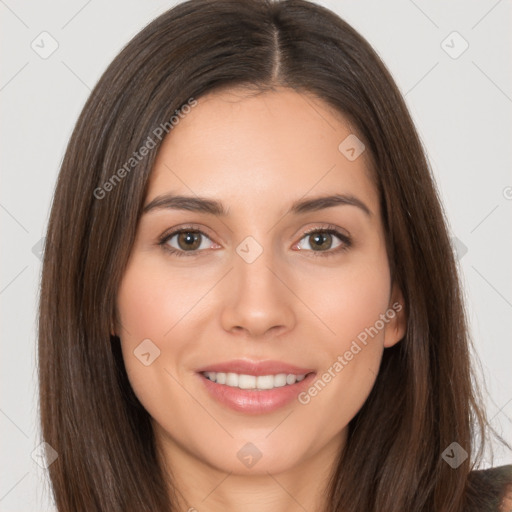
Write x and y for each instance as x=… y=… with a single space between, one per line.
x=257 y=153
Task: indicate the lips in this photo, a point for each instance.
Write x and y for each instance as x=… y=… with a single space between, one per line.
x=256 y=368
x=251 y=401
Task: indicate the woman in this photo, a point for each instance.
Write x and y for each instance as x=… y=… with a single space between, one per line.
x=249 y=299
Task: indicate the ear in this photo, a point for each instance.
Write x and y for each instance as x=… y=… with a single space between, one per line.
x=397 y=319
x=112 y=329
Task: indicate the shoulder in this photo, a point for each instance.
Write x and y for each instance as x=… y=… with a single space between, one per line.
x=490 y=490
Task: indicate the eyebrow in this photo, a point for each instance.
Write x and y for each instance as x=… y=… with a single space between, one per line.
x=213 y=207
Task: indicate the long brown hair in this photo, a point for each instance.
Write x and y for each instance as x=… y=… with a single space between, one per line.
x=107 y=458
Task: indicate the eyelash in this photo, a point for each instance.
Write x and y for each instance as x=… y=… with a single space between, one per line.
x=332 y=230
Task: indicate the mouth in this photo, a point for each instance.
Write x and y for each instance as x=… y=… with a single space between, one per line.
x=255 y=387
x=254 y=382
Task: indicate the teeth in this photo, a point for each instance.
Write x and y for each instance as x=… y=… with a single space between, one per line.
x=290 y=379
x=252 y=382
x=232 y=380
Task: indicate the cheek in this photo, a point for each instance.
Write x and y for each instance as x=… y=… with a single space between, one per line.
x=148 y=308
x=351 y=305
x=351 y=300
x=151 y=301
x=159 y=312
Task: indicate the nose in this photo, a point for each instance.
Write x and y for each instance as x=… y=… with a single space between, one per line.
x=258 y=299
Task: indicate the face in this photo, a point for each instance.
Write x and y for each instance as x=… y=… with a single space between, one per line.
x=252 y=314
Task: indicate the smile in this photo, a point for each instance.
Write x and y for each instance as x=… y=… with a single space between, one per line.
x=254 y=387
x=253 y=382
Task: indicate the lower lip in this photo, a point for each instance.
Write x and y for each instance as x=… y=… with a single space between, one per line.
x=256 y=402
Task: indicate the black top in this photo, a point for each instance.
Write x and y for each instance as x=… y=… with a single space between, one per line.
x=490 y=490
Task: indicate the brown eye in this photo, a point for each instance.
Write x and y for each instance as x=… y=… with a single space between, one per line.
x=320 y=240
x=186 y=242
x=323 y=240
x=189 y=240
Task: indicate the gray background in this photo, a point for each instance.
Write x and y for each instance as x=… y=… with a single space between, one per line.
x=461 y=104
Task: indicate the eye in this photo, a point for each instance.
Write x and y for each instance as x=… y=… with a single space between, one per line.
x=185 y=240
x=190 y=241
x=324 y=241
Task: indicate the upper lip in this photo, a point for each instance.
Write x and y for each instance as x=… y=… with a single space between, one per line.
x=256 y=368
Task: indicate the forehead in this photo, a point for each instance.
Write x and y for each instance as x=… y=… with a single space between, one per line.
x=247 y=146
